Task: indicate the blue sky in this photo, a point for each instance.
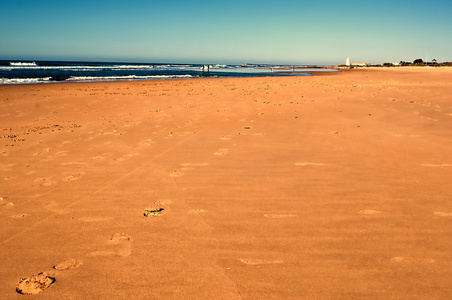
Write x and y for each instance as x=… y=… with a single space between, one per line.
x=210 y=31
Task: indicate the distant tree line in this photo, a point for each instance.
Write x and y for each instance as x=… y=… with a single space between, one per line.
x=418 y=62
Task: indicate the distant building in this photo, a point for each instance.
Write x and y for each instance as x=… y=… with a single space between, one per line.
x=348 y=62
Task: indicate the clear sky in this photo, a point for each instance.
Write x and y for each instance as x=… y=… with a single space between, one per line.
x=234 y=31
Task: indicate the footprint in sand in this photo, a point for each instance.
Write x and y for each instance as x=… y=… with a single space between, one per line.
x=438 y=165
x=4 y=153
x=120 y=244
x=73 y=177
x=411 y=260
x=122 y=158
x=443 y=214
x=68 y=264
x=54 y=207
x=41 y=152
x=19 y=216
x=279 y=216
x=74 y=163
x=61 y=153
x=35 y=284
x=42 y=181
x=194 y=164
x=102 y=156
x=95 y=219
x=148 y=142
x=5 y=203
x=221 y=152
x=301 y=164
x=157 y=209
x=5 y=167
x=162 y=202
x=369 y=212
x=153 y=211
x=176 y=173
x=250 y=261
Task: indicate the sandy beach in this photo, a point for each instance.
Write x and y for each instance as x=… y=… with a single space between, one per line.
x=322 y=187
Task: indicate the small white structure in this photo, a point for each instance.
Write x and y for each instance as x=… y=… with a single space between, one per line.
x=348 y=62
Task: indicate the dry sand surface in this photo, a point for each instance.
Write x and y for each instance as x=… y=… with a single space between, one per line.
x=335 y=187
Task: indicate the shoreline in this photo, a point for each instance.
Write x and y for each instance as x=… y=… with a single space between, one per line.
x=307 y=73
x=274 y=73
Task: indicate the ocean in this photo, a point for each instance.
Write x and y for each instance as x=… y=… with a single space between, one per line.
x=30 y=72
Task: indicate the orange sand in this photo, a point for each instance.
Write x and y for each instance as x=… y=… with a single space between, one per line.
x=335 y=187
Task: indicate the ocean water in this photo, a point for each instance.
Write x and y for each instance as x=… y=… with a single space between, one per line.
x=28 y=72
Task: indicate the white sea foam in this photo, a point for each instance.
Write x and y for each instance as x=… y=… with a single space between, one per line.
x=19 y=67
x=89 y=78
x=24 y=80
x=23 y=64
x=119 y=67
x=128 y=77
x=16 y=66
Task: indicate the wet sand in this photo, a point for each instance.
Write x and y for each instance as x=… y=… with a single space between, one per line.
x=324 y=187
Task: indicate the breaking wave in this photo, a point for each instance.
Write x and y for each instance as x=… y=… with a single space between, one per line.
x=87 y=79
x=128 y=77
x=23 y=64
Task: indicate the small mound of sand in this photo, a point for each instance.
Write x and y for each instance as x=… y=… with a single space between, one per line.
x=34 y=284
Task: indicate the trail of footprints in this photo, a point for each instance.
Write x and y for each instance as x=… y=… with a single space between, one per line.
x=119 y=244
x=35 y=284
